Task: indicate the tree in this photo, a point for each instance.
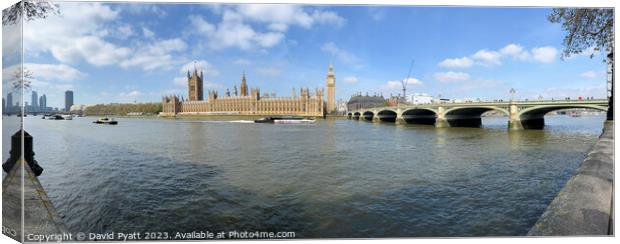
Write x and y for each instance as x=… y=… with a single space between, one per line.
x=588 y=28
x=585 y=28
x=31 y=9
x=21 y=82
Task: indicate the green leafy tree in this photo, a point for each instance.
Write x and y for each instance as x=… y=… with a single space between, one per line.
x=586 y=28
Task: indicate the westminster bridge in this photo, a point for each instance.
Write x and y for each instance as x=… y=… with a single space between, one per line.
x=521 y=114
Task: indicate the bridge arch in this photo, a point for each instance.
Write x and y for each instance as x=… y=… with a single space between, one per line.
x=356 y=115
x=423 y=116
x=387 y=115
x=533 y=117
x=368 y=115
x=470 y=116
x=349 y=115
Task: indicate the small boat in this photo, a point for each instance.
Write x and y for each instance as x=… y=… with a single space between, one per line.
x=67 y=116
x=105 y=120
x=284 y=120
x=54 y=117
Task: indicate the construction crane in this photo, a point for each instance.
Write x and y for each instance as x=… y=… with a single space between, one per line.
x=404 y=82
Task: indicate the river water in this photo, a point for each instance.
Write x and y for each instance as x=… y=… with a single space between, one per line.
x=336 y=178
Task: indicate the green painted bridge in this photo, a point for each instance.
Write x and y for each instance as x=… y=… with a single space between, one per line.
x=521 y=114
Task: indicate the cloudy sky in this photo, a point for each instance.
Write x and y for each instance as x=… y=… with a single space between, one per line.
x=120 y=52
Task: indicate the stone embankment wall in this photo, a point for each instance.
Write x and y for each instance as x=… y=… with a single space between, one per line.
x=584 y=206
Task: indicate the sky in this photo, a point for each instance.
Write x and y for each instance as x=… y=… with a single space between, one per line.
x=138 y=52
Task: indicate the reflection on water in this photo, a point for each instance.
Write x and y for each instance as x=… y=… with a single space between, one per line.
x=331 y=179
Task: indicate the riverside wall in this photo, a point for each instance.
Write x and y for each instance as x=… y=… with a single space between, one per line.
x=584 y=207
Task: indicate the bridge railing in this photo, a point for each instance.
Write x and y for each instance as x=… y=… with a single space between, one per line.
x=486 y=103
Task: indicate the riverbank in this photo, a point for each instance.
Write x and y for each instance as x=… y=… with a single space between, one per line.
x=216 y=117
x=585 y=204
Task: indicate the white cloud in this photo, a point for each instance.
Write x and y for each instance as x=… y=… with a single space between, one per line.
x=124 y=31
x=572 y=92
x=515 y=51
x=203 y=65
x=589 y=52
x=157 y=55
x=75 y=35
x=487 y=57
x=350 y=80
x=11 y=41
x=242 y=61
x=180 y=81
x=237 y=27
x=478 y=85
x=147 y=32
x=451 y=76
x=53 y=72
x=269 y=71
x=232 y=32
x=544 y=54
x=328 y=18
x=280 y=16
x=397 y=84
x=133 y=93
x=592 y=74
x=376 y=13
x=463 y=62
x=91 y=49
x=130 y=96
x=145 y=8
x=340 y=54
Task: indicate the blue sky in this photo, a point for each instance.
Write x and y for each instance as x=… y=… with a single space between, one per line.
x=120 y=52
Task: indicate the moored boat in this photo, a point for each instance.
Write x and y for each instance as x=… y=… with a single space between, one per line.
x=284 y=120
x=105 y=120
x=54 y=117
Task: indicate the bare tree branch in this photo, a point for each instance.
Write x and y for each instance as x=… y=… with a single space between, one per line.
x=31 y=9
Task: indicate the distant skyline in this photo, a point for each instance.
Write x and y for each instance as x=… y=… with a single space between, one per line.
x=120 y=52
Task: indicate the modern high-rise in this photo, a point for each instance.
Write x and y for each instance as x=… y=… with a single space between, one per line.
x=34 y=101
x=9 y=102
x=43 y=103
x=331 y=90
x=68 y=100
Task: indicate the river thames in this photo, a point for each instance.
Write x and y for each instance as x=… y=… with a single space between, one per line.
x=336 y=178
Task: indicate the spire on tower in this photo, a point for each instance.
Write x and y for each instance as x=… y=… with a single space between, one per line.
x=244 y=86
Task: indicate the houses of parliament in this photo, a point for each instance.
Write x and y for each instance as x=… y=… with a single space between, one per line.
x=249 y=101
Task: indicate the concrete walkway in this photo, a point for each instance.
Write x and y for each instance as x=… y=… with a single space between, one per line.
x=584 y=207
x=40 y=217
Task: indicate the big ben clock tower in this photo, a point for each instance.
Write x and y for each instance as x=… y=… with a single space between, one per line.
x=331 y=90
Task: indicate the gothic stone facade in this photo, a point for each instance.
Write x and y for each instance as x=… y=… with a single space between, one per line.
x=244 y=102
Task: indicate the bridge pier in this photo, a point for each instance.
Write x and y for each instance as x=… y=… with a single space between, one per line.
x=514 y=122
x=515 y=125
x=441 y=123
x=376 y=119
x=399 y=119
